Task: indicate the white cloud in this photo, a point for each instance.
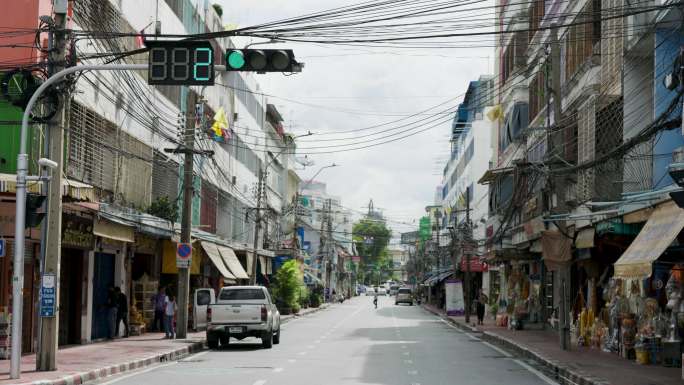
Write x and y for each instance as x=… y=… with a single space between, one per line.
x=397 y=176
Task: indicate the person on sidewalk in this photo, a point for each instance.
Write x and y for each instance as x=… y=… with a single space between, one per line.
x=159 y=301
x=169 y=314
x=121 y=312
x=111 y=306
x=481 y=301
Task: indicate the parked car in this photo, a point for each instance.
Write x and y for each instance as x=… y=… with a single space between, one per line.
x=240 y=312
x=393 y=289
x=404 y=295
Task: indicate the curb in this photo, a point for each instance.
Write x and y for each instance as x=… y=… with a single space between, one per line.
x=295 y=316
x=555 y=369
x=95 y=374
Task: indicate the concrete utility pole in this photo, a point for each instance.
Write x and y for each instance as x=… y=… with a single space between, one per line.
x=257 y=225
x=329 y=245
x=564 y=303
x=186 y=227
x=46 y=357
x=467 y=251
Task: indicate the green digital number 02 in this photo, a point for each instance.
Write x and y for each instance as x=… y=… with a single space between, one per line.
x=206 y=63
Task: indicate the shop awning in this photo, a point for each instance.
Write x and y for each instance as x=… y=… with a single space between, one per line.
x=438 y=278
x=585 y=238
x=213 y=253
x=556 y=249
x=660 y=230
x=70 y=188
x=491 y=174
x=263 y=263
x=113 y=230
x=232 y=262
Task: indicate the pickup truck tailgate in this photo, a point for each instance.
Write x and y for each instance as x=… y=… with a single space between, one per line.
x=235 y=313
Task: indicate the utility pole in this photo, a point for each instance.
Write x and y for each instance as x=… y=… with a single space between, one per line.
x=556 y=146
x=46 y=357
x=330 y=244
x=467 y=250
x=186 y=226
x=257 y=224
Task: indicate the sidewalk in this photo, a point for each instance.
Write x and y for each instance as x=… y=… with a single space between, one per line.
x=579 y=366
x=81 y=363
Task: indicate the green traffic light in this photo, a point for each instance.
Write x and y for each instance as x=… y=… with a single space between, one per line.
x=236 y=59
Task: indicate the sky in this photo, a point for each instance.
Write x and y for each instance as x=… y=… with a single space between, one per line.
x=372 y=86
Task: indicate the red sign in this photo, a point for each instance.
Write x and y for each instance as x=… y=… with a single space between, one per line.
x=477 y=265
x=356 y=258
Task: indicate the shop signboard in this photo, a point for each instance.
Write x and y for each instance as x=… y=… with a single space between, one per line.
x=409 y=238
x=48 y=295
x=77 y=232
x=454 y=297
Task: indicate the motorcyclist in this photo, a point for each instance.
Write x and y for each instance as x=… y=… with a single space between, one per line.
x=375 y=297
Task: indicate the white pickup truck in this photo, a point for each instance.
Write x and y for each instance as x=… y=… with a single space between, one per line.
x=243 y=311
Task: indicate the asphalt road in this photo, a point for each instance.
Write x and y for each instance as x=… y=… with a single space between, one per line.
x=351 y=343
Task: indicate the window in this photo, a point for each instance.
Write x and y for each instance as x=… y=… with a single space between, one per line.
x=580 y=38
x=514 y=55
x=203 y=297
x=536 y=15
x=537 y=92
x=241 y=294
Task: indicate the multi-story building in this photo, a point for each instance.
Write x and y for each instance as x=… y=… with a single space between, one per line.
x=123 y=191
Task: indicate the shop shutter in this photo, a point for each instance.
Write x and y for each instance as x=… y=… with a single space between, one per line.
x=165 y=177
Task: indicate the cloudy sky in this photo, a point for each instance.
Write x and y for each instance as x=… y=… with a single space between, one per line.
x=346 y=88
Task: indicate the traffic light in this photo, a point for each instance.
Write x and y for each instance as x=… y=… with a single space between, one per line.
x=262 y=60
x=33 y=203
x=181 y=63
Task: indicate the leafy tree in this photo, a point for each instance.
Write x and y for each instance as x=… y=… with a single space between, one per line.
x=164 y=208
x=371 y=238
x=219 y=9
x=289 y=279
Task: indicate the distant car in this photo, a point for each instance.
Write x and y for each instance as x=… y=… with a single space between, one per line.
x=360 y=289
x=380 y=290
x=393 y=289
x=404 y=295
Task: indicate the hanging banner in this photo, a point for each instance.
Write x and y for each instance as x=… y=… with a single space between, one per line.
x=454 y=297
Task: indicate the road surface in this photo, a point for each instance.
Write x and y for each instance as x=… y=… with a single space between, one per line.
x=351 y=343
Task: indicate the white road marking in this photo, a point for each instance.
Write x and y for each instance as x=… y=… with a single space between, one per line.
x=317 y=341
x=302 y=353
x=498 y=349
x=278 y=370
x=406 y=353
x=413 y=372
x=292 y=360
x=537 y=373
x=408 y=362
x=309 y=346
x=259 y=382
x=403 y=346
x=195 y=355
x=137 y=373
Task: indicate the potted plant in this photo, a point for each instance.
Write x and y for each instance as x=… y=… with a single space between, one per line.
x=288 y=280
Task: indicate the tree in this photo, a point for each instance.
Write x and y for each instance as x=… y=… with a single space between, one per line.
x=371 y=238
x=286 y=289
x=164 y=208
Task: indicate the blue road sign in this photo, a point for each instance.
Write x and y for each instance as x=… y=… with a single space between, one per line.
x=3 y=243
x=48 y=295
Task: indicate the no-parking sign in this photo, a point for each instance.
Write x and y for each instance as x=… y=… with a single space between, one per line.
x=183 y=255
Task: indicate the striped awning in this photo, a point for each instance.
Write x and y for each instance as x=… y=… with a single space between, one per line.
x=71 y=188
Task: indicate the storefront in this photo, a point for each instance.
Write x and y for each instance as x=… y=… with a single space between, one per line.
x=644 y=315
x=78 y=241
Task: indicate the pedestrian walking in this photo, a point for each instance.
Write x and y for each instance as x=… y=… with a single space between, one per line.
x=375 y=297
x=121 y=312
x=169 y=314
x=481 y=302
x=111 y=308
x=159 y=301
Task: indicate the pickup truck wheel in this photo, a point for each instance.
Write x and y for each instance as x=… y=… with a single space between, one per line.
x=225 y=340
x=276 y=337
x=267 y=339
x=213 y=344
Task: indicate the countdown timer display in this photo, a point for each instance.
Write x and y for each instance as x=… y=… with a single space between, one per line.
x=180 y=63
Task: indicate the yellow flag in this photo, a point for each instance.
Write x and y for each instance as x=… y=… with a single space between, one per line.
x=220 y=122
x=495 y=113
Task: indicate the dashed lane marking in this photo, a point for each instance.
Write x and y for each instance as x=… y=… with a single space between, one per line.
x=292 y=360
x=408 y=362
x=413 y=372
x=278 y=370
x=259 y=382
